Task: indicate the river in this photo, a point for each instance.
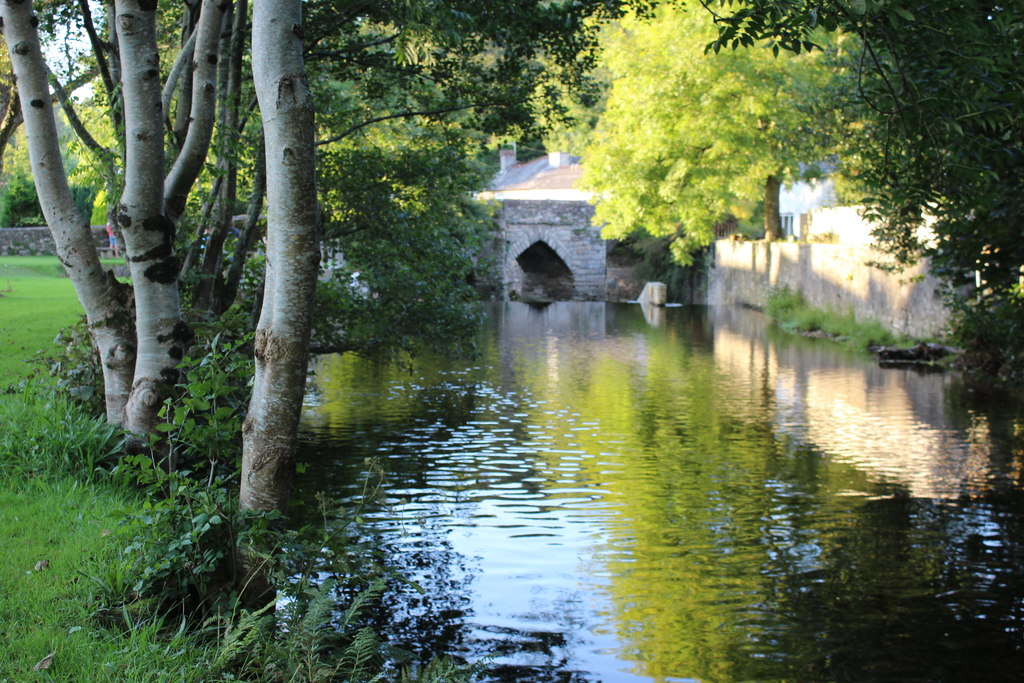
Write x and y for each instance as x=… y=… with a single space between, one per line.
x=612 y=493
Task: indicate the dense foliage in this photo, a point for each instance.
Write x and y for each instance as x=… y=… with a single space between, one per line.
x=689 y=139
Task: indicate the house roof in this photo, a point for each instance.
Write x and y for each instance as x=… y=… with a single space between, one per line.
x=553 y=176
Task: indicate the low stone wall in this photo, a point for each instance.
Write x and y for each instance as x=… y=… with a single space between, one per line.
x=26 y=241
x=832 y=276
x=34 y=241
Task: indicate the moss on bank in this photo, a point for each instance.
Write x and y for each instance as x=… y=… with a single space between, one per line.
x=793 y=313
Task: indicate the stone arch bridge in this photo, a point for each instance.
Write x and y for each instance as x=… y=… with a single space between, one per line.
x=551 y=252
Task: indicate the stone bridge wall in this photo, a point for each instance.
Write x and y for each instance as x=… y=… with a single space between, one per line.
x=565 y=227
x=832 y=276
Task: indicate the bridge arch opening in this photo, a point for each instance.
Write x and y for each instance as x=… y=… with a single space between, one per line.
x=546 y=277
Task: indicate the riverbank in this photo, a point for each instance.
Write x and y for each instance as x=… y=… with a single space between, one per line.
x=65 y=578
x=791 y=312
x=97 y=557
x=831 y=276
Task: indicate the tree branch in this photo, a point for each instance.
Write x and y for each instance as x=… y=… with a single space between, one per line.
x=10 y=123
x=76 y=123
x=338 y=53
x=196 y=146
x=401 y=115
x=98 y=49
x=184 y=57
x=13 y=119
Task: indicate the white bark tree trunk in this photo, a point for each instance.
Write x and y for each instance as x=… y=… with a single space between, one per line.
x=293 y=251
x=148 y=234
x=209 y=289
x=204 y=98
x=107 y=303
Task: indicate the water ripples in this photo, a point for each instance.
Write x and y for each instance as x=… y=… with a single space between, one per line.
x=626 y=504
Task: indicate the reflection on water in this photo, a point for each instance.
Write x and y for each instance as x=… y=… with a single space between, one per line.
x=608 y=496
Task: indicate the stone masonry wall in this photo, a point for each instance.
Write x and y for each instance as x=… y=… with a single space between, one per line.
x=33 y=241
x=565 y=227
x=829 y=276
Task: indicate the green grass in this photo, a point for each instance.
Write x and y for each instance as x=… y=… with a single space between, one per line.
x=36 y=302
x=54 y=508
x=55 y=609
x=792 y=313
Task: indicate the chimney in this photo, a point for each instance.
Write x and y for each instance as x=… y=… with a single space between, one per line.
x=559 y=159
x=508 y=157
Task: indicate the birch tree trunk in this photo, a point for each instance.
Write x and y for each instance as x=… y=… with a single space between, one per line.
x=150 y=205
x=161 y=334
x=209 y=289
x=293 y=254
x=282 y=335
x=106 y=302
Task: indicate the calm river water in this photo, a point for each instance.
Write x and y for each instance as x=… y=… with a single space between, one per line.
x=684 y=494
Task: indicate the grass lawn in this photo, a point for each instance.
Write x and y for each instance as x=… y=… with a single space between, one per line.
x=36 y=302
x=60 y=561
x=51 y=570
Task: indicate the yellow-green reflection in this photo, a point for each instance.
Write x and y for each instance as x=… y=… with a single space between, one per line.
x=740 y=506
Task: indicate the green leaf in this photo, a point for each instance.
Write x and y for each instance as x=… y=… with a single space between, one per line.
x=903 y=12
x=196 y=403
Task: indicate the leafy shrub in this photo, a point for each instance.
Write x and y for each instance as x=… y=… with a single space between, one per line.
x=202 y=425
x=184 y=536
x=991 y=332
x=74 y=363
x=19 y=205
x=783 y=301
x=180 y=541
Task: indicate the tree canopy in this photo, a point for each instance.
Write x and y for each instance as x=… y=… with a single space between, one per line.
x=689 y=138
